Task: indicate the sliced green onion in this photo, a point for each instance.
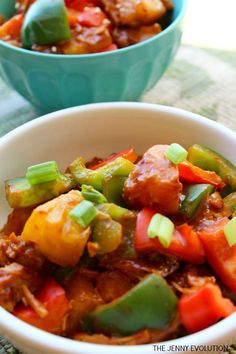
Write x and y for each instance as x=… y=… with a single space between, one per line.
x=162 y=227
x=230 y=231
x=84 y=213
x=176 y=153
x=89 y=193
x=42 y=173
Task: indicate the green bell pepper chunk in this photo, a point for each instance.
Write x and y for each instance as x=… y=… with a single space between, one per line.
x=127 y=218
x=107 y=234
x=7 y=8
x=112 y=188
x=45 y=23
x=210 y=160
x=195 y=196
x=95 y=178
x=117 y=167
x=62 y=274
x=230 y=202
x=127 y=249
x=91 y=194
x=150 y=304
x=116 y=212
x=21 y=194
x=83 y=175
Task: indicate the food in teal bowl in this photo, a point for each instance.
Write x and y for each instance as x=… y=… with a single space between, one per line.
x=59 y=56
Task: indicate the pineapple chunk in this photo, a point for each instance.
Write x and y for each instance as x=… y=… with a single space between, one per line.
x=60 y=239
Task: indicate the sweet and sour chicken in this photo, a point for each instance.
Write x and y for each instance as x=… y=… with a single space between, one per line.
x=151 y=236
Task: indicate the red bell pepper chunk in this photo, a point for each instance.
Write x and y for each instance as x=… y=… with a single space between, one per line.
x=109 y=48
x=53 y=297
x=91 y=17
x=129 y=154
x=79 y=5
x=185 y=243
x=204 y=307
x=219 y=254
x=12 y=27
x=193 y=174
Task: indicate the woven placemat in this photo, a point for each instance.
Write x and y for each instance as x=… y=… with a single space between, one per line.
x=7 y=348
x=200 y=80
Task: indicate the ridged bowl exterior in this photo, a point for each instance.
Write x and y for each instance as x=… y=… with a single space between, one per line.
x=52 y=82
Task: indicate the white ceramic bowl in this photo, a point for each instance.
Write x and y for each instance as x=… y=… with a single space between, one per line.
x=100 y=129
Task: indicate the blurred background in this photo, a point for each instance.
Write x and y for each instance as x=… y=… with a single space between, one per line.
x=211 y=24
x=202 y=78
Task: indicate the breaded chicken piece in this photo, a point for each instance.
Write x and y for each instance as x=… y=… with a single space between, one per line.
x=125 y=37
x=134 y=13
x=154 y=182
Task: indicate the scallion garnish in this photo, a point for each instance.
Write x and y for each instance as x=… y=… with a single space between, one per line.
x=84 y=213
x=176 y=153
x=89 y=193
x=43 y=172
x=230 y=231
x=162 y=227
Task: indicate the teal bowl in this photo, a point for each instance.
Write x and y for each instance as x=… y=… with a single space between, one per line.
x=51 y=82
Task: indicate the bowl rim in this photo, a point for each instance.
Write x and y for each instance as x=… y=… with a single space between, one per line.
x=31 y=336
x=59 y=114
x=111 y=53
x=34 y=337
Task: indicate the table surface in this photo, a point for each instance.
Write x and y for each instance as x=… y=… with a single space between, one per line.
x=201 y=79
